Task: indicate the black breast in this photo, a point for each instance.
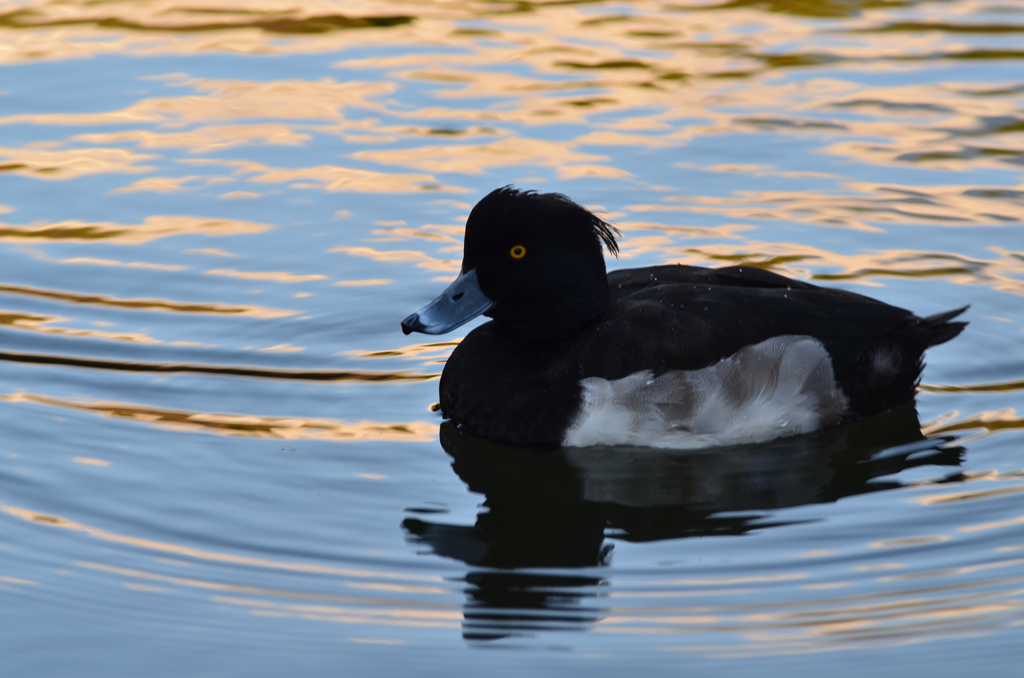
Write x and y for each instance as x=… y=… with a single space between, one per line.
x=498 y=388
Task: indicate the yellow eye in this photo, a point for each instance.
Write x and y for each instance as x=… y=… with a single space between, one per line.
x=518 y=252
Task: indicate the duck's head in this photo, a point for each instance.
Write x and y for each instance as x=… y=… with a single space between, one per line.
x=532 y=261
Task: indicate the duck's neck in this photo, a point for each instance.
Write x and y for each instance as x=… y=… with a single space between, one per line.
x=555 y=319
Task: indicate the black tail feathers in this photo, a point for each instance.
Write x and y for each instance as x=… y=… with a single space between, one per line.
x=939 y=329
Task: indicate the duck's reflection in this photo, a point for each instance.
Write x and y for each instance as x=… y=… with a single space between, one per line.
x=557 y=509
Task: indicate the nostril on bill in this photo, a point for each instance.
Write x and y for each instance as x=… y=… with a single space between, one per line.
x=456 y=297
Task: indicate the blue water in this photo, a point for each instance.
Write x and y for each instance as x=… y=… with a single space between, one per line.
x=219 y=454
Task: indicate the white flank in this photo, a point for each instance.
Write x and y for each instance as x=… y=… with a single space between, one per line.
x=780 y=387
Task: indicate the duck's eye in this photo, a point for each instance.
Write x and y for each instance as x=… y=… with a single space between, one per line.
x=518 y=252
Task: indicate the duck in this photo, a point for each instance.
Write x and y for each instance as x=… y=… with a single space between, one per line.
x=668 y=356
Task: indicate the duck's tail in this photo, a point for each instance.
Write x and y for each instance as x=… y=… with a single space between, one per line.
x=940 y=329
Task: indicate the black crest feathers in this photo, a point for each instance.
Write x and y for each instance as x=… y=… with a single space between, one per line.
x=555 y=207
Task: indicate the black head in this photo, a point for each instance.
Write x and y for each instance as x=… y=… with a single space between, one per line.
x=538 y=257
x=533 y=262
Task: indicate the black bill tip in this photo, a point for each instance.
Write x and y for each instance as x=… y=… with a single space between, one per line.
x=412 y=324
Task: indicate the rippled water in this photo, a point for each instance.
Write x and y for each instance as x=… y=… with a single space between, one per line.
x=219 y=456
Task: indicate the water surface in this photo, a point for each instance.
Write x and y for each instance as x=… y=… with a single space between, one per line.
x=219 y=455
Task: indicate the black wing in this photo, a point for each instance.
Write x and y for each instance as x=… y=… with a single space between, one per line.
x=685 y=317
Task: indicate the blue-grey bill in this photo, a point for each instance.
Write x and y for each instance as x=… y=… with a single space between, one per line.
x=457 y=305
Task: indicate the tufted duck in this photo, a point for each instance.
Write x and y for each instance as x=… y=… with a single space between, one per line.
x=665 y=356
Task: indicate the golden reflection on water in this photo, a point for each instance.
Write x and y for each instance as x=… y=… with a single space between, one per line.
x=799 y=625
x=999 y=524
x=91 y=461
x=429 y=353
x=164 y=547
x=7 y=582
x=406 y=611
x=952 y=205
x=274 y=276
x=152 y=228
x=43 y=324
x=569 y=49
x=362 y=617
x=1002 y=272
x=832 y=623
x=477 y=159
x=71 y=163
x=165 y=305
x=970 y=495
x=94 y=261
x=250 y=426
x=363 y=283
x=202 y=139
x=985 y=422
x=334 y=178
x=420 y=259
x=223 y=100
